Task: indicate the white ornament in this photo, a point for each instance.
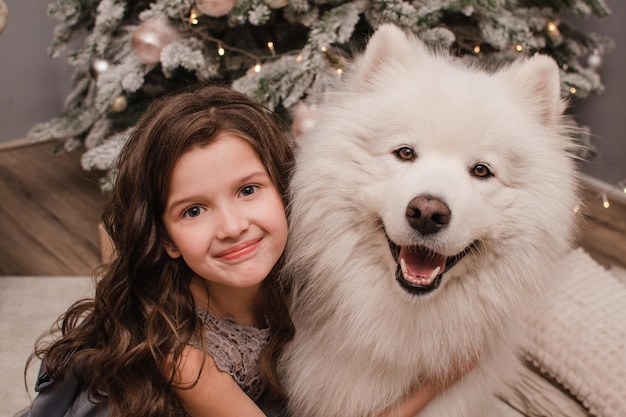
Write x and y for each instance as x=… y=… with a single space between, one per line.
x=215 y=8
x=150 y=37
x=99 y=66
x=276 y=4
x=594 y=60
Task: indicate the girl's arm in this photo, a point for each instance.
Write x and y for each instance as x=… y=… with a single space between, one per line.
x=418 y=398
x=216 y=394
x=413 y=403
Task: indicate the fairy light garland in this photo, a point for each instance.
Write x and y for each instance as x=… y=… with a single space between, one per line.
x=334 y=60
x=189 y=24
x=603 y=197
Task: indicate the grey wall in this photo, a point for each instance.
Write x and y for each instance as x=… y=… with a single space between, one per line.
x=33 y=86
x=606 y=113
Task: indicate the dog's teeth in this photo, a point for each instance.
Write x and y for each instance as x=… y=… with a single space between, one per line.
x=434 y=274
x=403 y=266
x=417 y=280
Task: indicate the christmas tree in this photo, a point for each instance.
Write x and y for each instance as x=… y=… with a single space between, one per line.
x=279 y=52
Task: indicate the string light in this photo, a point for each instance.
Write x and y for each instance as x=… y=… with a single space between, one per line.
x=222 y=47
x=335 y=60
x=602 y=197
x=553 y=28
x=605 y=201
x=572 y=90
x=519 y=48
x=477 y=49
x=193 y=16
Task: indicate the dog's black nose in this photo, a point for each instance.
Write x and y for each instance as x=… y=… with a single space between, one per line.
x=428 y=214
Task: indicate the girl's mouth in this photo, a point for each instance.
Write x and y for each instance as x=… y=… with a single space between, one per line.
x=239 y=250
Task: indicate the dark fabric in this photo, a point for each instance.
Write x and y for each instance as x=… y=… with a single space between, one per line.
x=62 y=398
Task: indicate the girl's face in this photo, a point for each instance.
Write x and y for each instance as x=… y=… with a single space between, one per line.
x=224 y=215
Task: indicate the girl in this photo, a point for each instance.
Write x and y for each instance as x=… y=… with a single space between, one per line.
x=189 y=318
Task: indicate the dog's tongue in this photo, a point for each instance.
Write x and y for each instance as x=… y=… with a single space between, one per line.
x=419 y=266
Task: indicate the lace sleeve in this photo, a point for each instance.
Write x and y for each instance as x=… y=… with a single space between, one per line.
x=236 y=350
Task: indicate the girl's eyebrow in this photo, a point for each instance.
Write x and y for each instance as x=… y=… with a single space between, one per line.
x=181 y=202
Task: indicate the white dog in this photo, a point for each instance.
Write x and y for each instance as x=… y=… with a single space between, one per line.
x=428 y=204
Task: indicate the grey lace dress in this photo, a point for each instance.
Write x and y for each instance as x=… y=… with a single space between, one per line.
x=236 y=348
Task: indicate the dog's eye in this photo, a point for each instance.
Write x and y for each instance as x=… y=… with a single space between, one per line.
x=405 y=153
x=481 y=171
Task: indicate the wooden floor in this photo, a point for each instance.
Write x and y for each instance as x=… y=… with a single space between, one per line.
x=50 y=208
x=49 y=212
x=604 y=228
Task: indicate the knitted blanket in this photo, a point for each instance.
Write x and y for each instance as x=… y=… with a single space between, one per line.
x=576 y=349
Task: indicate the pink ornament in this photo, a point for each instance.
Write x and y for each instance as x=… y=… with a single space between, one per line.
x=150 y=38
x=304 y=119
x=215 y=8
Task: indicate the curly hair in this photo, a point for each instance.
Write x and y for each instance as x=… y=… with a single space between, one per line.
x=126 y=341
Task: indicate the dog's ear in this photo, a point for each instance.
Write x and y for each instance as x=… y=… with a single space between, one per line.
x=389 y=45
x=538 y=85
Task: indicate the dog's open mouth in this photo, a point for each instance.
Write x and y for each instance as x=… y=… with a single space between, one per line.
x=420 y=270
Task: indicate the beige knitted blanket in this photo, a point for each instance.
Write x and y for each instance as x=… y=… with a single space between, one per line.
x=577 y=347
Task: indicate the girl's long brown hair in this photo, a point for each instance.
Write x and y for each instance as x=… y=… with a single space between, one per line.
x=124 y=343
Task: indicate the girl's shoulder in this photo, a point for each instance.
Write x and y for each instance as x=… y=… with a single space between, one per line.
x=235 y=348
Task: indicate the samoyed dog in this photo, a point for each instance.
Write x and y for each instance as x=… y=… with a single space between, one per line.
x=428 y=205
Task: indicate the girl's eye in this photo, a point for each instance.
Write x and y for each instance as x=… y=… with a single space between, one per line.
x=405 y=153
x=481 y=171
x=249 y=190
x=193 y=211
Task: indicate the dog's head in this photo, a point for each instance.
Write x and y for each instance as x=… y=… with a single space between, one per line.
x=443 y=160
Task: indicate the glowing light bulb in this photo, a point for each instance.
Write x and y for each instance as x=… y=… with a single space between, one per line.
x=257 y=68
x=220 y=50
x=193 y=16
x=553 y=27
x=605 y=201
x=270 y=46
x=477 y=49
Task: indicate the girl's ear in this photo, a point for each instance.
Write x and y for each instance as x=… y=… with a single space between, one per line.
x=171 y=249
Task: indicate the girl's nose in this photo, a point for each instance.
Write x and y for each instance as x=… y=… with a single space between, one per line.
x=231 y=222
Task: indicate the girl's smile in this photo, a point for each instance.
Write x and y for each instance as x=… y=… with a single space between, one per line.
x=240 y=251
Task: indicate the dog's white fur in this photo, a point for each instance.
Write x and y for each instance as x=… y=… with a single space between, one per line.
x=362 y=341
